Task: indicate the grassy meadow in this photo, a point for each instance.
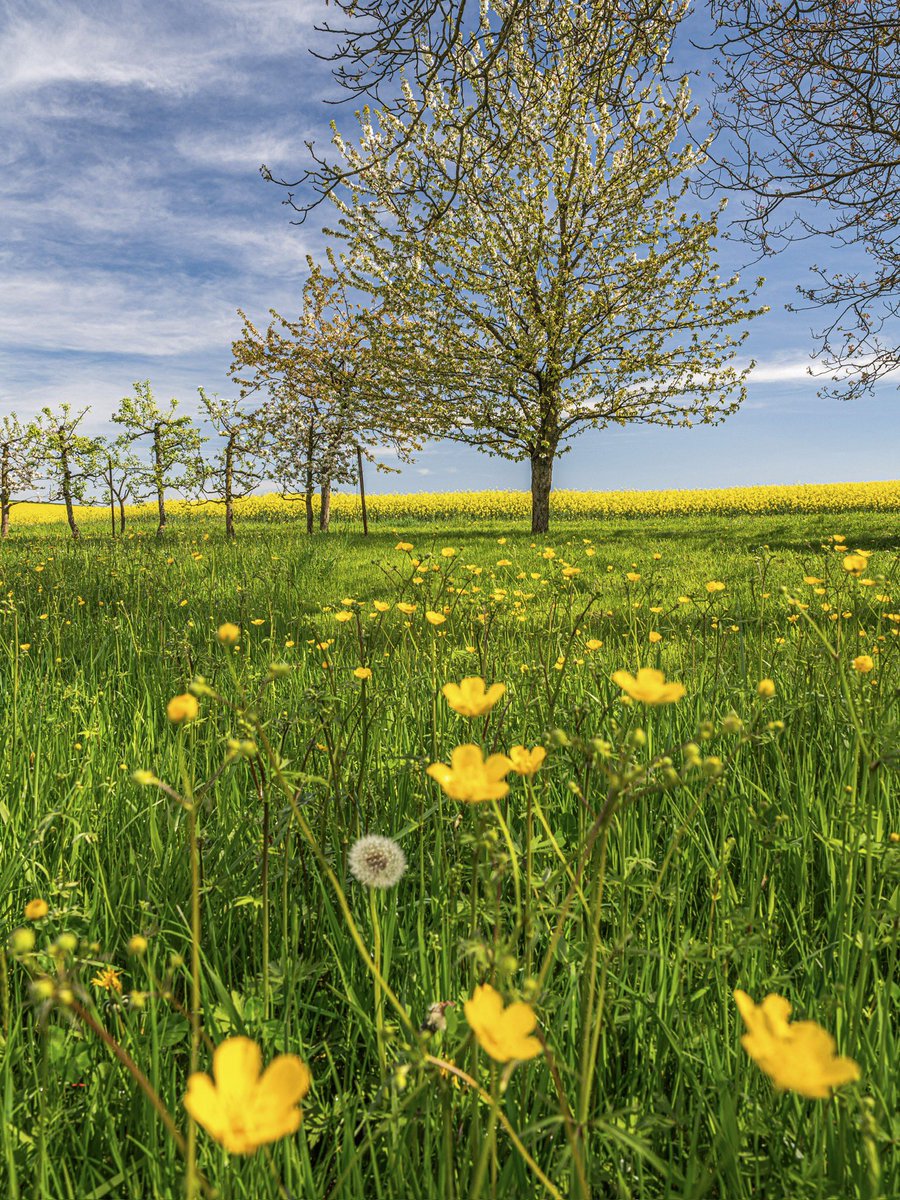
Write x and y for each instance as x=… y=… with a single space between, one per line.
x=660 y=857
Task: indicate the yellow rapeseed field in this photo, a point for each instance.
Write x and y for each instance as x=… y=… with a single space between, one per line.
x=881 y=496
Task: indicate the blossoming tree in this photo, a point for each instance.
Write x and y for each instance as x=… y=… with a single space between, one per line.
x=564 y=285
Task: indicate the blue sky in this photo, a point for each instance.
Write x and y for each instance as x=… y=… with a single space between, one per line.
x=134 y=222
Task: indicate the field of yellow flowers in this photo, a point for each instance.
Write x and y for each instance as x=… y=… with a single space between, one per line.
x=424 y=507
x=451 y=863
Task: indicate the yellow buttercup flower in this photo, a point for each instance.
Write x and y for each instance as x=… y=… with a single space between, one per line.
x=766 y=689
x=407 y=546
x=854 y=563
x=362 y=673
x=715 y=585
x=242 y=1109
x=434 y=618
x=229 y=633
x=471 y=697
x=182 y=708
x=407 y=609
x=864 y=663
x=380 y=606
x=649 y=686
x=35 y=909
x=448 y=552
x=470 y=776
x=593 y=644
x=503 y=1033
x=798 y=1057
x=632 y=576
x=654 y=637
x=526 y=762
x=343 y=616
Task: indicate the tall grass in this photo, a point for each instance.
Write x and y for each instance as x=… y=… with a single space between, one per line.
x=778 y=874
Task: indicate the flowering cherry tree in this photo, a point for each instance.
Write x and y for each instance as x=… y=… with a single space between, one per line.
x=563 y=285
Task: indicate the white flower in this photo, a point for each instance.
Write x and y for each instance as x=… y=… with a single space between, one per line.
x=376 y=861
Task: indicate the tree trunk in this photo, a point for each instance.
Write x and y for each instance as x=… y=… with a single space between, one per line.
x=112 y=496
x=541 y=480
x=325 y=510
x=5 y=493
x=310 y=477
x=362 y=492
x=67 y=495
x=160 y=490
x=121 y=515
x=229 y=488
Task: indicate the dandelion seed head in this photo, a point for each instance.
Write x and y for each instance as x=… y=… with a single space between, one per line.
x=376 y=861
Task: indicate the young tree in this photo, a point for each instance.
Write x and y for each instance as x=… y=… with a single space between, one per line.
x=174 y=442
x=806 y=119
x=329 y=404
x=69 y=460
x=241 y=461
x=121 y=472
x=20 y=462
x=576 y=292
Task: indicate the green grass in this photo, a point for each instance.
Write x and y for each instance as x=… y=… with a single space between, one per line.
x=781 y=876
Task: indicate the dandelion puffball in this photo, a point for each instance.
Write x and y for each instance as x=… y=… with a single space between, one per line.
x=376 y=861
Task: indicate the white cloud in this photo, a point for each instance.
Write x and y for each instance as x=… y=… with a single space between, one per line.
x=160 y=47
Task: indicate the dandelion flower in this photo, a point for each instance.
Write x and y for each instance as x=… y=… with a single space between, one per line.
x=242 y=1109
x=527 y=762
x=376 y=861
x=108 y=979
x=35 y=909
x=503 y=1033
x=472 y=697
x=649 y=686
x=470 y=776
x=182 y=708
x=798 y=1057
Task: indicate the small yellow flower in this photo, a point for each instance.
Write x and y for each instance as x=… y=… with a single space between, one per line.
x=527 y=762
x=503 y=1033
x=715 y=585
x=470 y=776
x=258 y=621
x=35 y=909
x=654 y=637
x=362 y=673
x=343 y=616
x=472 y=697
x=649 y=686
x=242 y=1109
x=863 y=663
x=854 y=563
x=229 y=633
x=380 y=606
x=405 y=546
x=448 y=552
x=109 y=979
x=182 y=708
x=137 y=944
x=435 y=618
x=632 y=576
x=766 y=688
x=571 y=572
x=798 y=1057
x=593 y=644
x=407 y=609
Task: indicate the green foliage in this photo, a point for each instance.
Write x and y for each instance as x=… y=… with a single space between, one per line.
x=781 y=874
